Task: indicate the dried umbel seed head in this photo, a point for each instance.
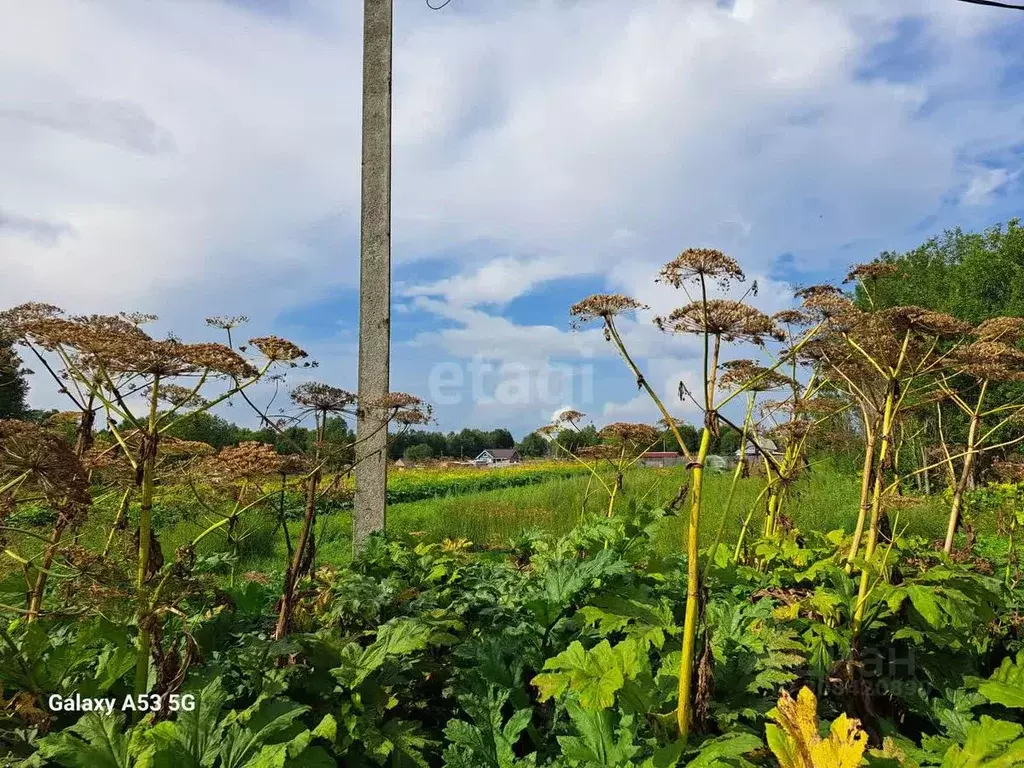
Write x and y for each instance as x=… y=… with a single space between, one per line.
x=732 y=320
x=408 y=417
x=49 y=465
x=219 y=358
x=794 y=317
x=1008 y=330
x=790 y=432
x=569 y=416
x=826 y=302
x=323 y=397
x=870 y=271
x=277 y=349
x=622 y=432
x=991 y=360
x=227 y=322
x=173 y=446
x=14 y=320
x=138 y=318
x=179 y=396
x=245 y=460
x=747 y=374
x=695 y=264
x=395 y=401
x=548 y=430
x=925 y=322
x=603 y=451
x=602 y=306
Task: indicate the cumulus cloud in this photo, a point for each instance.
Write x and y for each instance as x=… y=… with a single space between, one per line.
x=193 y=157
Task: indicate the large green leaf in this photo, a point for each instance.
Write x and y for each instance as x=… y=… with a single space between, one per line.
x=990 y=744
x=595 y=675
x=1006 y=686
x=95 y=741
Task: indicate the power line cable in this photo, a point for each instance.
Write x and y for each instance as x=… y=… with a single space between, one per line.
x=993 y=3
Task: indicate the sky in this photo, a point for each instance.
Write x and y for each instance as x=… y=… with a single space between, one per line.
x=192 y=158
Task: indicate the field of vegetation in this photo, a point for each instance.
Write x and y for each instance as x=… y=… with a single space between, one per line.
x=850 y=593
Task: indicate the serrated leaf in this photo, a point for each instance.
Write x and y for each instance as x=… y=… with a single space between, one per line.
x=796 y=741
x=990 y=744
x=95 y=741
x=595 y=675
x=1006 y=685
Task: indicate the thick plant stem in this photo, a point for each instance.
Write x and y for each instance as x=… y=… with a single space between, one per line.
x=692 y=590
x=291 y=577
x=35 y=603
x=876 y=507
x=866 y=474
x=965 y=473
x=145 y=532
x=83 y=441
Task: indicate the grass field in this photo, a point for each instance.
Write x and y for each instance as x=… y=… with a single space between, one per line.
x=549 y=497
x=826 y=500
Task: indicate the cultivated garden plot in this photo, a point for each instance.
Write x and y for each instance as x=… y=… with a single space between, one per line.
x=847 y=592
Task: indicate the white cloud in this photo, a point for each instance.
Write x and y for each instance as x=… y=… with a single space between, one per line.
x=984 y=183
x=194 y=158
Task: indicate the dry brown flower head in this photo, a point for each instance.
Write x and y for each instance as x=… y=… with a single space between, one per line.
x=1008 y=330
x=277 y=349
x=794 y=317
x=179 y=396
x=396 y=401
x=569 y=416
x=174 y=446
x=991 y=360
x=246 y=460
x=635 y=435
x=923 y=321
x=413 y=416
x=602 y=306
x=323 y=397
x=138 y=318
x=227 y=322
x=754 y=377
x=870 y=271
x=695 y=264
x=219 y=358
x=731 y=320
x=53 y=468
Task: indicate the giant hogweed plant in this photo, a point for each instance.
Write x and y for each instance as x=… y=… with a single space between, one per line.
x=714 y=321
x=621 y=446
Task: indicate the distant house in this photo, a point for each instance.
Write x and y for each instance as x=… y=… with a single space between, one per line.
x=498 y=457
x=766 y=444
x=661 y=459
x=753 y=463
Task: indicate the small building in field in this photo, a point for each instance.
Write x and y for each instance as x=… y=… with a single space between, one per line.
x=498 y=457
x=766 y=445
x=661 y=459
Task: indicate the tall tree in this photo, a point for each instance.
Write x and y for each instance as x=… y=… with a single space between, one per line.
x=374 y=272
x=13 y=386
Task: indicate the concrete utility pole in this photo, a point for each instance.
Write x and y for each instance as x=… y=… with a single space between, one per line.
x=374 y=270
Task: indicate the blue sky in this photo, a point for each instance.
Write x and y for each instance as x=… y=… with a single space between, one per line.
x=200 y=157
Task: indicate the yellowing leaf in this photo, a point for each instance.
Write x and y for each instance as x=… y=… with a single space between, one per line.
x=797 y=743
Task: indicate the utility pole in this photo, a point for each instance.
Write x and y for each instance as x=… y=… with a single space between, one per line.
x=374 y=272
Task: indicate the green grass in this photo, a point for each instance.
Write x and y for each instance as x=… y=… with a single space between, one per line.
x=824 y=501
